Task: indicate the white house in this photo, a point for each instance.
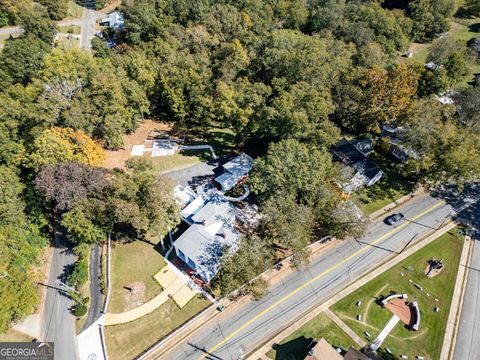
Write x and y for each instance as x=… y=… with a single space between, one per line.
x=235 y=169
x=114 y=20
x=211 y=233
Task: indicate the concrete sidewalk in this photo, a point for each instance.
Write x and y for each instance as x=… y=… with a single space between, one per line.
x=457 y=298
x=311 y=314
x=360 y=342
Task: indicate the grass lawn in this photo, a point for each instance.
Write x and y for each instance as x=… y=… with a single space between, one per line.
x=75 y=10
x=460 y=29
x=70 y=29
x=5 y=37
x=427 y=341
x=136 y=261
x=172 y=162
x=296 y=345
x=128 y=340
x=14 y=336
x=389 y=188
x=64 y=43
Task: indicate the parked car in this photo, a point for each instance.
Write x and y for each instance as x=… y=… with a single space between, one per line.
x=392 y=219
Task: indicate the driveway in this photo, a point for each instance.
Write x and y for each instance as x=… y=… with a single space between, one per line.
x=193 y=175
x=96 y=297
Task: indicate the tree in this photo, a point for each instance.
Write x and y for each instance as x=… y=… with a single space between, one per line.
x=57 y=9
x=253 y=256
x=344 y=219
x=456 y=67
x=288 y=225
x=299 y=111
x=445 y=151
x=430 y=17
x=142 y=203
x=60 y=145
x=431 y=82
x=80 y=226
x=79 y=275
x=469 y=108
x=67 y=184
x=292 y=169
x=21 y=59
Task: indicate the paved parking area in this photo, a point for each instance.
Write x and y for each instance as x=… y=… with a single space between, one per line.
x=192 y=175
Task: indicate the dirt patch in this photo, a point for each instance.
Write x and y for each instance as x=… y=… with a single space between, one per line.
x=400 y=308
x=117 y=158
x=134 y=295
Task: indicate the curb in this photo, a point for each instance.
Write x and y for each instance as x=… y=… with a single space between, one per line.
x=453 y=321
x=394 y=204
x=317 y=309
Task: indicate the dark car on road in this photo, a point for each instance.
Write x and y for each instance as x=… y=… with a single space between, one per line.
x=392 y=219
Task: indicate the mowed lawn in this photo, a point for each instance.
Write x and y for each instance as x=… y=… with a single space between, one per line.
x=128 y=340
x=132 y=262
x=428 y=340
x=162 y=164
x=460 y=29
x=392 y=186
x=295 y=347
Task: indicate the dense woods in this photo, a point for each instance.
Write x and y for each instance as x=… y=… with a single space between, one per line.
x=287 y=77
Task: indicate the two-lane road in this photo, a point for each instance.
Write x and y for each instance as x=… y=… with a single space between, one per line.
x=231 y=336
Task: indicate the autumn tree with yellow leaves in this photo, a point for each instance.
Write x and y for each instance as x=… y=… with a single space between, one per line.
x=59 y=145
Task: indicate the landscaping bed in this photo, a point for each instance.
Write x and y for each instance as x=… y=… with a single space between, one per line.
x=427 y=341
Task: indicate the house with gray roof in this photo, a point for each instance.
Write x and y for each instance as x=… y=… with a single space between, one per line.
x=212 y=232
x=235 y=169
x=353 y=155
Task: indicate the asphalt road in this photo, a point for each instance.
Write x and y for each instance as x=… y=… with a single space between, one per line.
x=58 y=324
x=96 y=297
x=468 y=337
x=231 y=336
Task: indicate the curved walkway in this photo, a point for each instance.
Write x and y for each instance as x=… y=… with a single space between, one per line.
x=174 y=288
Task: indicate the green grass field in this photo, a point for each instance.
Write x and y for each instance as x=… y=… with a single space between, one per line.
x=126 y=341
x=460 y=29
x=295 y=346
x=133 y=262
x=64 y=43
x=70 y=29
x=173 y=162
x=428 y=340
x=389 y=188
x=75 y=11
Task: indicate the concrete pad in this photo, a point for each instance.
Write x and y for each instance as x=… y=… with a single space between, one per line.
x=32 y=326
x=137 y=150
x=183 y=296
x=165 y=277
x=89 y=342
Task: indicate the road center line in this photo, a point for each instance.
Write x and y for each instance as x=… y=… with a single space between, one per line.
x=303 y=286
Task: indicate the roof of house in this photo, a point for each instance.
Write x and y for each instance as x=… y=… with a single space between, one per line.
x=344 y=150
x=240 y=165
x=354 y=354
x=212 y=232
x=367 y=167
x=353 y=153
x=234 y=170
x=323 y=351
